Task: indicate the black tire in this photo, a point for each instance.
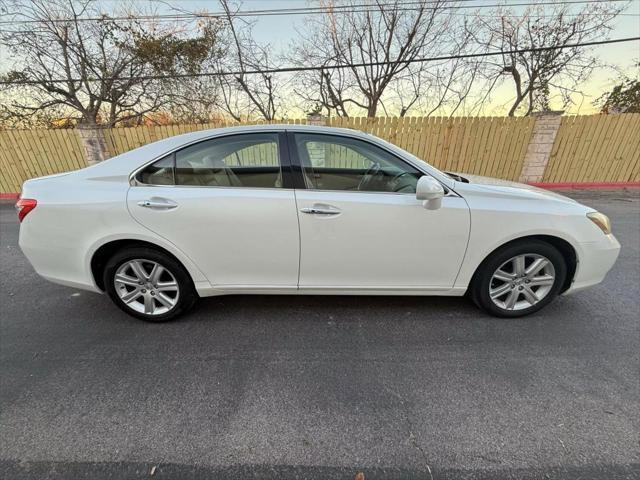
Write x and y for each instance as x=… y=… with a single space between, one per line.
x=480 y=284
x=186 y=295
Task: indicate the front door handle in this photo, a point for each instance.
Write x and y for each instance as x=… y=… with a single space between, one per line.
x=321 y=209
x=158 y=204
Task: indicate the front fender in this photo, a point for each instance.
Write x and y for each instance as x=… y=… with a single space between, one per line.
x=497 y=219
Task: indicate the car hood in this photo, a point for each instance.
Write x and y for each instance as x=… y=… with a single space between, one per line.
x=509 y=188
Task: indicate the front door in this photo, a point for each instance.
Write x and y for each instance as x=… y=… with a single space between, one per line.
x=223 y=202
x=361 y=226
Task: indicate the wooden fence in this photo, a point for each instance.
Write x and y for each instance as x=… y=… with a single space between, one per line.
x=26 y=154
x=491 y=146
x=120 y=140
x=602 y=148
x=596 y=148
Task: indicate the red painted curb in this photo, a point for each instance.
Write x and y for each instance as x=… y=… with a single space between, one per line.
x=9 y=196
x=587 y=185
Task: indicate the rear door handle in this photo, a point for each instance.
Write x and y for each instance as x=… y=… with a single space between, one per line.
x=158 y=204
x=321 y=209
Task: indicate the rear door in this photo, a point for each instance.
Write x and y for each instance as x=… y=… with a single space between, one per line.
x=226 y=203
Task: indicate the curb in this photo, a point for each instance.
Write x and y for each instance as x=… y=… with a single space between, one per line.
x=586 y=185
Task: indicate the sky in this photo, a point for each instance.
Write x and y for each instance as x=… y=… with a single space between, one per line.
x=281 y=31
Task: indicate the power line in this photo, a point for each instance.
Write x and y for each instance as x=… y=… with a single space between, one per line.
x=306 y=11
x=272 y=11
x=330 y=67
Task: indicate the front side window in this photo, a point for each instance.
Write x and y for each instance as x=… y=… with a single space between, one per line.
x=247 y=160
x=341 y=163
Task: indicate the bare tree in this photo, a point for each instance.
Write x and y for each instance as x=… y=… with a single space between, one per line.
x=538 y=76
x=243 y=94
x=437 y=86
x=103 y=71
x=393 y=37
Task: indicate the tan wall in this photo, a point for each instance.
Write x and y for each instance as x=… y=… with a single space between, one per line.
x=602 y=148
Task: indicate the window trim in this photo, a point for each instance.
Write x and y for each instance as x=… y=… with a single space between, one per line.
x=284 y=161
x=297 y=167
x=173 y=172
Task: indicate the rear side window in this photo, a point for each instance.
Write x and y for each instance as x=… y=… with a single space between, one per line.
x=249 y=160
x=158 y=173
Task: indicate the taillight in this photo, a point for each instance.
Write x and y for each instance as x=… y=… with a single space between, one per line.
x=24 y=206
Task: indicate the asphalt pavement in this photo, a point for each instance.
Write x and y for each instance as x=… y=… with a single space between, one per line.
x=322 y=387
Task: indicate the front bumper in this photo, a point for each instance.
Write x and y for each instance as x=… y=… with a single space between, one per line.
x=595 y=259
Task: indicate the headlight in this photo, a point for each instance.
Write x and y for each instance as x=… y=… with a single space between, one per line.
x=601 y=220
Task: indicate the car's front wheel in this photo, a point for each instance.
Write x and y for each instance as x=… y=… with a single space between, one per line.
x=148 y=284
x=519 y=279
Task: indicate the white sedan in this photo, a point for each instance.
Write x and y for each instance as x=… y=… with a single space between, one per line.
x=284 y=209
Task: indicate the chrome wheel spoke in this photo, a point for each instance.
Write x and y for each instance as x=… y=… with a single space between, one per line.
x=167 y=287
x=537 y=265
x=530 y=296
x=156 y=273
x=511 y=300
x=542 y=280
x=138 y=270
x=165 y=300
x=131 y=296
x=127 y=280
x=518 y=263
x=149 y=304
x=503 y=276
x=499 y=291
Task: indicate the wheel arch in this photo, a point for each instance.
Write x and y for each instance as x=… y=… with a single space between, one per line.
x=564 y=247
x=108 y=249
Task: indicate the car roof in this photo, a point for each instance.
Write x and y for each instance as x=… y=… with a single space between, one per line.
x=278 y=127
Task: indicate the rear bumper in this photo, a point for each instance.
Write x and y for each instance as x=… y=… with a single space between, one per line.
x=595 y=259
x=56 y=261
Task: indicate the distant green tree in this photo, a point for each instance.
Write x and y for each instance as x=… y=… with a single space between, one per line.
x=623 y=98
x=100 y=71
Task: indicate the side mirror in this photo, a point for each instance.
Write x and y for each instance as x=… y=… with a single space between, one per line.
x=430 y=191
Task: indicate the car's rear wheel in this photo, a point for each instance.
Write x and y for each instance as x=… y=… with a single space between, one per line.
x=148 y=284
x=519 y=279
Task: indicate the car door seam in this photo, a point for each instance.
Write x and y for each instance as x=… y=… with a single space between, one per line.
x=466 y=249
x=293 y=172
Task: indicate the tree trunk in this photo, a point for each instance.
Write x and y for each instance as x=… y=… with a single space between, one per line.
x=514 y=107
x=94 y=142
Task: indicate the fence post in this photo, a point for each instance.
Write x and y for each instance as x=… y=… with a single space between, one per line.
x=540 y=145
x=94 y=142
x=316 y=119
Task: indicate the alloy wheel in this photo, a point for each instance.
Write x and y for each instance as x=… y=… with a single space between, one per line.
x=522 y=281
x=146 y=286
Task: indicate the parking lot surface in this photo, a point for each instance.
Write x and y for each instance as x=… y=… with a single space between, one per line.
x=322 y=387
